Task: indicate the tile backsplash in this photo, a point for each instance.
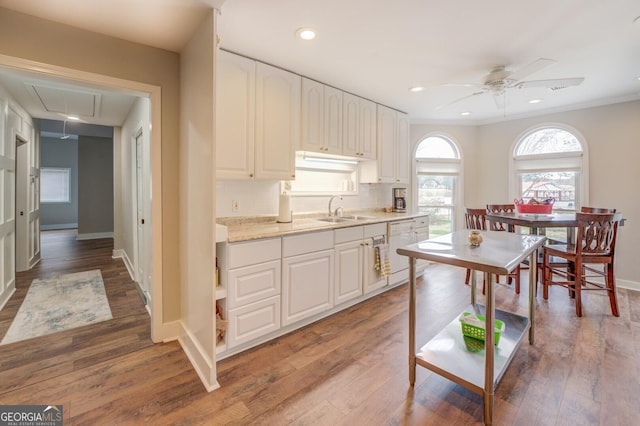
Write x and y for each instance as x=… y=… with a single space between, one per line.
x=260 y=198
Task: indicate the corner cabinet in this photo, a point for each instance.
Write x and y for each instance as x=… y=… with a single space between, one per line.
x=257 y=119
x=392 y=165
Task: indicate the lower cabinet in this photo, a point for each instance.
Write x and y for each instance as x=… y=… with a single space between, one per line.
x=307 y=275
x=253 y=290
x=349 y=252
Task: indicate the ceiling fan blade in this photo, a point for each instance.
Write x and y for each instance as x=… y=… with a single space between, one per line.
x=461 y=85
x=460 y=99
x=531 y=68
x=553 y=84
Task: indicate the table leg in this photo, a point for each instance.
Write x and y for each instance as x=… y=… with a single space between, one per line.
x=489 y=348
x=412 y=321
x=473 y=287
x=533 y=285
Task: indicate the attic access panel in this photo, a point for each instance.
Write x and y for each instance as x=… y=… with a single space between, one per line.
x=67 y=102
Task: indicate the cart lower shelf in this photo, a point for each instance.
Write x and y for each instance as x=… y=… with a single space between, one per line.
x=461 y=359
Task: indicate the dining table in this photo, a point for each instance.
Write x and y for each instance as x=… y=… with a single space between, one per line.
x=537 y=223
x=476 y=365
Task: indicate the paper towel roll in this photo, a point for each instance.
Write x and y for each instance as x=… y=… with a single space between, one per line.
x=284 y=208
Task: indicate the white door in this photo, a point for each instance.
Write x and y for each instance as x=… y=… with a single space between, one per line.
x=7 y=208
x=140 y=220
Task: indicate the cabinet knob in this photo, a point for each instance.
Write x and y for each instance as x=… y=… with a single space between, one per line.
x=293 y=176
x=250 y=175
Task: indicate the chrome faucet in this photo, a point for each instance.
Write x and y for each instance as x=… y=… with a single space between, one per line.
x=331 y=200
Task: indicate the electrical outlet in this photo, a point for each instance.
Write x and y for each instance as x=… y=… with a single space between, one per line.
x=234 y=206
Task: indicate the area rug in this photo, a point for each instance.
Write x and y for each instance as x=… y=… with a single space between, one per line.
x=60 y=303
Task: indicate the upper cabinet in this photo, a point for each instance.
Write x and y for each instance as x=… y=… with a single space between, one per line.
x=321 y=118
x=358 y=127
x=392 y=165
x=257 y=119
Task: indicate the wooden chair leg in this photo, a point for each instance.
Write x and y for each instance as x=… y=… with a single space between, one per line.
x=577 y=286
x=517 y=278
x=468 y=277
x=546 y=277
x=611 y=288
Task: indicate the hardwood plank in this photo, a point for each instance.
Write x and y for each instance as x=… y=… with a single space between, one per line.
x=349 y=369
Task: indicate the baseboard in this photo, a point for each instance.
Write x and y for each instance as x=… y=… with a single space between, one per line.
x=629 y=285
x=7 y=293
x=121 y=254
x=205 y=369
x=94 y=236
x=58 y=226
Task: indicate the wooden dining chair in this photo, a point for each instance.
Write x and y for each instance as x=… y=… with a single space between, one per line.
x=499 y=226
x=476 y=219
x=595 y=244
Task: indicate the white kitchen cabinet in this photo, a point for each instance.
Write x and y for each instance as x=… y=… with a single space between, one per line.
x=235 y=116
x=392 y=165
x=307 y=276
x=257 y=119
x=358 y=127
x=349 y=252
x=421 y=234
x=321 y=118
x=356 y=273
x=253 y=282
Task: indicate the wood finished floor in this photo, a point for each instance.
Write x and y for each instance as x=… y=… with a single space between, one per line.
x=350 y=369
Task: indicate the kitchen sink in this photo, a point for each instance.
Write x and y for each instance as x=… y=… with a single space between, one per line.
x=333 y=219
x=357 y=217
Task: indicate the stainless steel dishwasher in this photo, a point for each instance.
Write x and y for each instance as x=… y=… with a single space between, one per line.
x=401 y=233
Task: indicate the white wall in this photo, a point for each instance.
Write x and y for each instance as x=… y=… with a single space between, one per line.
x=612 y=134
x=260 y=198
x=197 y=201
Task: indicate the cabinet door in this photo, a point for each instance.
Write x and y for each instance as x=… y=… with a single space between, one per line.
x=235 y=116
x=277 y=122
x=307 y=285
x=312 y=116
x=372 y=278
x=252 y=321
x=350 y=125
x=386 y=132
x=367 y=129
x=402 y=149
x=348 y=283
x=332 y=120
x=253 y=283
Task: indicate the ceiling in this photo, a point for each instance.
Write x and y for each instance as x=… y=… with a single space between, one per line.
x=379 y=49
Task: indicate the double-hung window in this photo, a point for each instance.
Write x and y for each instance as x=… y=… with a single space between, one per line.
x=438 y=169
x=55 y=185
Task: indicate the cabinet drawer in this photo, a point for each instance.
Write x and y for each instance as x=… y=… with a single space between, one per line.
x=252 y=252
x=375 y=230
x=253 y=283
x=252 y=321
x=344 y=235
x=307 y=243
x=422 y=221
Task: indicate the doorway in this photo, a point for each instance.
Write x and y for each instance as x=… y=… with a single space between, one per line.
x=114 y=86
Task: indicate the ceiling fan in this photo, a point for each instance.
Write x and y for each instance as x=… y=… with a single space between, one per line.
x=499 y=80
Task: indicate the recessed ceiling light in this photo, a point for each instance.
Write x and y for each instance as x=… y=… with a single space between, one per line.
x=535 y=101
x=416 y=89
x=73 y=117
x=465 y=113
x=306 y=33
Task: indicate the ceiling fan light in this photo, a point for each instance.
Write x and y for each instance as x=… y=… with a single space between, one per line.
x=465 y=113
x=416 y=89
x=535 y=101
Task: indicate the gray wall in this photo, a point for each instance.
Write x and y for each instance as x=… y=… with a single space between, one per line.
x=55 y=152
x=95 y=186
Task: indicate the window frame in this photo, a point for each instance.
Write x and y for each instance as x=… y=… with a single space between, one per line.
x=62 y=170
x=577 y=161
x=441 y=167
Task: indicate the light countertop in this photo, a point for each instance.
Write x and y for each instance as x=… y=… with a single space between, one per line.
x=256 y=227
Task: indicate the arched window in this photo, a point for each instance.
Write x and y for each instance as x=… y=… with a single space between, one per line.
x=550 y=162
x=438 y=168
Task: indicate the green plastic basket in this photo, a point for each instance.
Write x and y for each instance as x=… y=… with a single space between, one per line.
x=477 y=333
